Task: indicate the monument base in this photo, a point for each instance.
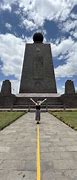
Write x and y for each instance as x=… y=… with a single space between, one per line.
x=54 y=100
x=23 y=100
x=69 y=100
x=7 y=101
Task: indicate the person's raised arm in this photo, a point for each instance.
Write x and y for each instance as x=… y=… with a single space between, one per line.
x=33 y=101
x=42 y=101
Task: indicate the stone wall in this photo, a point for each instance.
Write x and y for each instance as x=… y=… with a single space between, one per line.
x=7 y=101
x=70 y=100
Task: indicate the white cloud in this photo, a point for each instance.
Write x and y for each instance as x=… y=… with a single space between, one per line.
x=62 y=47
x=29 y=24
x=61 y=90
x=37 y=11
x=74 y=33
x=67 y=48
x=15 y=84
x=47 y=8
x=5 y=7
x=76 y=89
x=74 y=16
x=8 y=26
x=11 y=54
x=69 y=25
x=0 y=85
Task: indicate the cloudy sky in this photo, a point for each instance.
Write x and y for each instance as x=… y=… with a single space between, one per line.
x=57 y=20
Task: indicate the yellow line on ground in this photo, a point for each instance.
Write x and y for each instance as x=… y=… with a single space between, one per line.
x=38 y=152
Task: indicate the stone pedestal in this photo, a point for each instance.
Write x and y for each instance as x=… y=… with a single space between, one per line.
x=6 y=98
x=69 y=87
x=6 y=88
x=69 y=101
x=52 y=100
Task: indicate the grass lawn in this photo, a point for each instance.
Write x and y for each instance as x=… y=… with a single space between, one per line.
x=68 y=117
x=7 y=118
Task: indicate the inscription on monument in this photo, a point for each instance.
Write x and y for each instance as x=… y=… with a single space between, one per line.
x=38 y=67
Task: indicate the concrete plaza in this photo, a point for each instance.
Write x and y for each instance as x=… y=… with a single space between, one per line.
x=18 y=149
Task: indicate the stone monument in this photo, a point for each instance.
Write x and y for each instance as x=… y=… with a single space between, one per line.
x=38 y=81
x=69 y=98
x=6 y=88
x=38 y=71
x=7 y=99
x=69 y=87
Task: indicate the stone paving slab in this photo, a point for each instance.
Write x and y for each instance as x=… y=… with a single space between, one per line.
x=18 y=149
x=58 y=149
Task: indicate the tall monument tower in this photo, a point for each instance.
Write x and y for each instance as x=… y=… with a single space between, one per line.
x=38 y=72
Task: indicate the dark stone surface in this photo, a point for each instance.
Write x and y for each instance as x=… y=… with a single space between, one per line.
x=69 y=100
x=6 y=88
x=7 y=101
x=38 y=38
x=69 y=87
x=38 y=72
x=6 y=98
x=53 y=102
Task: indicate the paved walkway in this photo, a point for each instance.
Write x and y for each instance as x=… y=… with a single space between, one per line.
x=18 y=150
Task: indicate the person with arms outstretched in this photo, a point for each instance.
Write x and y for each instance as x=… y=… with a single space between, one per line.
x=38 y=106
